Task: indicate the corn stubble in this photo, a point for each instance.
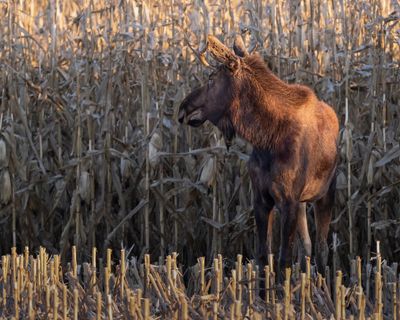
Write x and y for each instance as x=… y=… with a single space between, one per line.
x=92 y=155
x=38 y=287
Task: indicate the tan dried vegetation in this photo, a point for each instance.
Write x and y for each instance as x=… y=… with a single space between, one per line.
x=39 y=287
x=91 y=153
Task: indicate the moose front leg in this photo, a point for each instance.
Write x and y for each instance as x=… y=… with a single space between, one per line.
x=289 y=214
x=323 y=209
x=264 y=220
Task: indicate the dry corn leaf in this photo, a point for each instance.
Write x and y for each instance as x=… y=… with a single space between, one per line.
x=208 y=172
x=5 y=185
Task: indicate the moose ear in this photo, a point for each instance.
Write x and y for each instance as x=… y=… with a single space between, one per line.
x=222 y=53
x=239 y=47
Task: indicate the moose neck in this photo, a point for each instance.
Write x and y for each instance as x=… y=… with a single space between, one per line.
x=262 y=111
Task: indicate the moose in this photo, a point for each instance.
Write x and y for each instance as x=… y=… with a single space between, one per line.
x=294 y=137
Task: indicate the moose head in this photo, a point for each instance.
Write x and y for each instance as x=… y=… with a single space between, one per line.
x=213 y=100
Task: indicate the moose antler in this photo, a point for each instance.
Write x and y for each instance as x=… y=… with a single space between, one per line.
x=221 y=53
x=201 y=55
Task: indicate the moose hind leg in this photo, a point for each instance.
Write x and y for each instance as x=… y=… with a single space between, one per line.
x=323 y=209
x=302 y=229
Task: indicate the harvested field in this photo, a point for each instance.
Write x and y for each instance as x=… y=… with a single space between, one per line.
x=37 y=287
x=92 y=154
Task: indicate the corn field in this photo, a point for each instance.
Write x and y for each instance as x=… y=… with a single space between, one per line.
x=92 y=154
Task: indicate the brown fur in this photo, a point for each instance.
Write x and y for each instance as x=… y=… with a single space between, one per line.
x=268 y=104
